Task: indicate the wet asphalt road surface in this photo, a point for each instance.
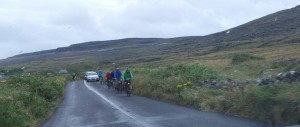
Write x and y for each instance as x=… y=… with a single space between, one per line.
x=89 y=104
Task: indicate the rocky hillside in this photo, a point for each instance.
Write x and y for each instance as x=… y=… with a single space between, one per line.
x=282 y=23
x=280 y=26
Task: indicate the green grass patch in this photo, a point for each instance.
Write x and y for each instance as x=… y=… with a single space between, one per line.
x=163 y=82
x=9 y=72
x=286 y=64
x=180 y=73
x=242 y=57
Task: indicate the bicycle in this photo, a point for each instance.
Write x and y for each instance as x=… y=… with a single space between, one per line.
x=128 y=87
x=101 y=80
x=119 y=86
x=109 y=83
x=114 y=83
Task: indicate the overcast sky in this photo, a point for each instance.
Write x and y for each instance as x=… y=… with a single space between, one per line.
x=34 y=25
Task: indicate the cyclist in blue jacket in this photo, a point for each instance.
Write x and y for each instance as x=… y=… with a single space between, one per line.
x=118 y=74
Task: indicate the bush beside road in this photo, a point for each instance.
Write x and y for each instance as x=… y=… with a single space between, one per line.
x=28 y=100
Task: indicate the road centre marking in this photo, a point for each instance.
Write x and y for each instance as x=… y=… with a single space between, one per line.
x=116 y=107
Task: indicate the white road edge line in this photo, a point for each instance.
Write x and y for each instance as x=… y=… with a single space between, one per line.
x=115 y=106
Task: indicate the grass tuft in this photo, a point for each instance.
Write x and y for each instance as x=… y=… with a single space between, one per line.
x=242 y=57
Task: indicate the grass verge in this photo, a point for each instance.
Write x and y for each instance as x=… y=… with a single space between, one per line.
x=28 y=100
x=183 y=84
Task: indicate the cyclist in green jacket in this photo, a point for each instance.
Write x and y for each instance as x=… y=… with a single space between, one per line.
x=127 y=76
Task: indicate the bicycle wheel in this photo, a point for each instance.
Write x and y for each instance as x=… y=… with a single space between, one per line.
x=128 y=91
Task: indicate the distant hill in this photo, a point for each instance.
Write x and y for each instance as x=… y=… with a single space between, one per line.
x=282 y=27
x=274 y=27
x=282 y=23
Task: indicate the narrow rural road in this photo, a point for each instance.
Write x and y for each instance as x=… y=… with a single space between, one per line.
x=89 y=104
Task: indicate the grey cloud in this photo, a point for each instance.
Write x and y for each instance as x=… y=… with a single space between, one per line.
x=162 y=19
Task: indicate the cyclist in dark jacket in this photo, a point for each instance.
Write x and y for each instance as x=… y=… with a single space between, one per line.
x=112 y=74
x=74 y=76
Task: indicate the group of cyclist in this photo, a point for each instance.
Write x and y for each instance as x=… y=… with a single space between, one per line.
x=116 y=76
